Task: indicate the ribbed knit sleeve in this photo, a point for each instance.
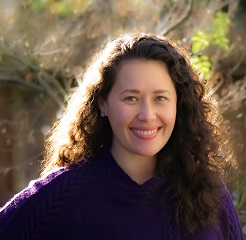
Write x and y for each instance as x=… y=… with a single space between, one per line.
x=34 y=208
x=230 y=227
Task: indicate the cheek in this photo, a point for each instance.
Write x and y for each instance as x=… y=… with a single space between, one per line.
x=116 y=116
x=119 y=119
x=169 y=116
x=120 y=114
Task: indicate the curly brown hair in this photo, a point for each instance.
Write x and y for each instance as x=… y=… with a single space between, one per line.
x=193 y=158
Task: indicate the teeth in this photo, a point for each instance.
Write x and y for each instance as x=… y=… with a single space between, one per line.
x=145 y=133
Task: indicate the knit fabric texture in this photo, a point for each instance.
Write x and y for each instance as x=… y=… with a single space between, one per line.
x=95 y=199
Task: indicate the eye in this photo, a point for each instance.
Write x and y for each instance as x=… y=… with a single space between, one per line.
x=160 y=98
x=131 y=99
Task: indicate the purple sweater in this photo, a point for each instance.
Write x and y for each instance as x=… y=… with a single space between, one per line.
x=96 y=199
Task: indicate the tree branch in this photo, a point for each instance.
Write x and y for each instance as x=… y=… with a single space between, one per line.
x=50 y=92
x=235 y=67
x=17 y=80
x=181 y=20
x=42 y=77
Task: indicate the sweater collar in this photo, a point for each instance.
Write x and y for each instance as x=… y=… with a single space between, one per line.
x=116 y=176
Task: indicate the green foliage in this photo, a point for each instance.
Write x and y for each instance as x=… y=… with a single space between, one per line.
x=215 y=36
x=200 y=41
x=37 y=5
x=63 y=8
x=204 y=64
x=221 y=24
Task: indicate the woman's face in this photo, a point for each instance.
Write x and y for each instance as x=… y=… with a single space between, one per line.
x=141 y=108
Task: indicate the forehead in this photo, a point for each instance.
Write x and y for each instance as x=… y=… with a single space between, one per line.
x=137 y=72
x=135 y=63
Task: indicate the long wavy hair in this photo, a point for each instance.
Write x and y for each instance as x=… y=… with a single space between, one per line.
x=195 y=155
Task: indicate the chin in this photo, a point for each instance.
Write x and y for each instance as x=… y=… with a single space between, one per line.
x=147 y=153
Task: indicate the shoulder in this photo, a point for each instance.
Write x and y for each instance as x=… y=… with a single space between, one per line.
x=47 y=193
x=57 y=177
x=229 y=223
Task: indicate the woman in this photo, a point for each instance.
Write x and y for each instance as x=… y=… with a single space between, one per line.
x=137 y=155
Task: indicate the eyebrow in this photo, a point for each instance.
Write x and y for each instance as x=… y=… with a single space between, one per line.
x=137 y=91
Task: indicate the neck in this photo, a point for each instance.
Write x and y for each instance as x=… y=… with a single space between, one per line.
x=138 y=168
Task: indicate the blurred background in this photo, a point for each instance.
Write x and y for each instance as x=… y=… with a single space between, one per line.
x=45 y=43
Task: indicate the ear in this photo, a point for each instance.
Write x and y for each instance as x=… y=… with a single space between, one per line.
x=102 y=105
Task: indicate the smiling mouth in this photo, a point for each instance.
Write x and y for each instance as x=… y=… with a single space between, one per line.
x=145 y=133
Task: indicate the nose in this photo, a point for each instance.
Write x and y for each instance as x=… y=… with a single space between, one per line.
x=146 y=112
